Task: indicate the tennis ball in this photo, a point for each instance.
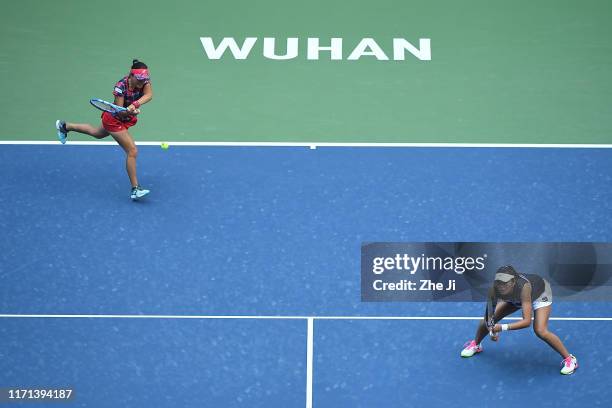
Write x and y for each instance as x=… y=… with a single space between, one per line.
x=165 y=146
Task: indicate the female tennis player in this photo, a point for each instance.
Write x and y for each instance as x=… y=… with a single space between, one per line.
x=131 y=92
x=513 y=291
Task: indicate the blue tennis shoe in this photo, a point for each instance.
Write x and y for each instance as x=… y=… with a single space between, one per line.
x=62 y=133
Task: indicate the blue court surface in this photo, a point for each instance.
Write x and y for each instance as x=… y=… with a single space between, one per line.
x=276 y=232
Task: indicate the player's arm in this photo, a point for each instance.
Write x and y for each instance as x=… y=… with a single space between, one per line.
x=119 y=102
x=147 y=91
x=527 y=309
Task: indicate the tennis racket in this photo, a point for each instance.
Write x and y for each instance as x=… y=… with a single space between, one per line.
x=107 y=106
x=490 y=315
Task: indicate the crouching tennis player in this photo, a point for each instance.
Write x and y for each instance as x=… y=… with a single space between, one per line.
x=131 y=92
x=512 y=291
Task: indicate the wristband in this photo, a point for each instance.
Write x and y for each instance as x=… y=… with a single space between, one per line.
x=504 y=327
x=136 y=104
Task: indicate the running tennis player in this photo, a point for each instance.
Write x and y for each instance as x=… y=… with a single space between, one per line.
x=513 y=291
x=131 y=92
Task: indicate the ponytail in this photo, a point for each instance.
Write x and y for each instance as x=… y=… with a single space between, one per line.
x=138 y=64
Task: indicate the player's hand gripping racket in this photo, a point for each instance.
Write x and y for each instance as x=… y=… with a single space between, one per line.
x=110 y=107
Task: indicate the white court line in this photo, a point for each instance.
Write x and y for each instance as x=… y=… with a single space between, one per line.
x=309 y=358
x=211 y=317
x=323 y=144
x=310 y=323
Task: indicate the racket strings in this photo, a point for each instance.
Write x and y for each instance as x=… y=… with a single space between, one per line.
x=102 y=105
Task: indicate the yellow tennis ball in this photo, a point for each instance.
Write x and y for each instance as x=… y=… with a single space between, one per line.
x=165 y=146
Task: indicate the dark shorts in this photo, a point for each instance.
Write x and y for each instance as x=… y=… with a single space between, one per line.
x=113 y=125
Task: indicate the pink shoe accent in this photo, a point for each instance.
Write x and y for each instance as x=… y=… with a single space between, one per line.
x=567 y=361
x=470 y=344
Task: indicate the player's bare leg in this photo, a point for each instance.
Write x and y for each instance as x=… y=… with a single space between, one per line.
x=126 y=141
x=540 y=327
x=97 y=132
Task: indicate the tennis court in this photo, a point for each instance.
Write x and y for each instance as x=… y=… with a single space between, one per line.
x=236 y=283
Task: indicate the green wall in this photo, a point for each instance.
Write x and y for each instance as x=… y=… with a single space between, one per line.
x=523 y=71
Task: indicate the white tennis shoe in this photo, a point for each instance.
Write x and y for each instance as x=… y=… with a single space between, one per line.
x=470 y=348
x=138 y=192
x=569 y=365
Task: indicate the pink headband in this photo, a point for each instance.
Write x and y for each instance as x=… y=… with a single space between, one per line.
x=140 y=74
